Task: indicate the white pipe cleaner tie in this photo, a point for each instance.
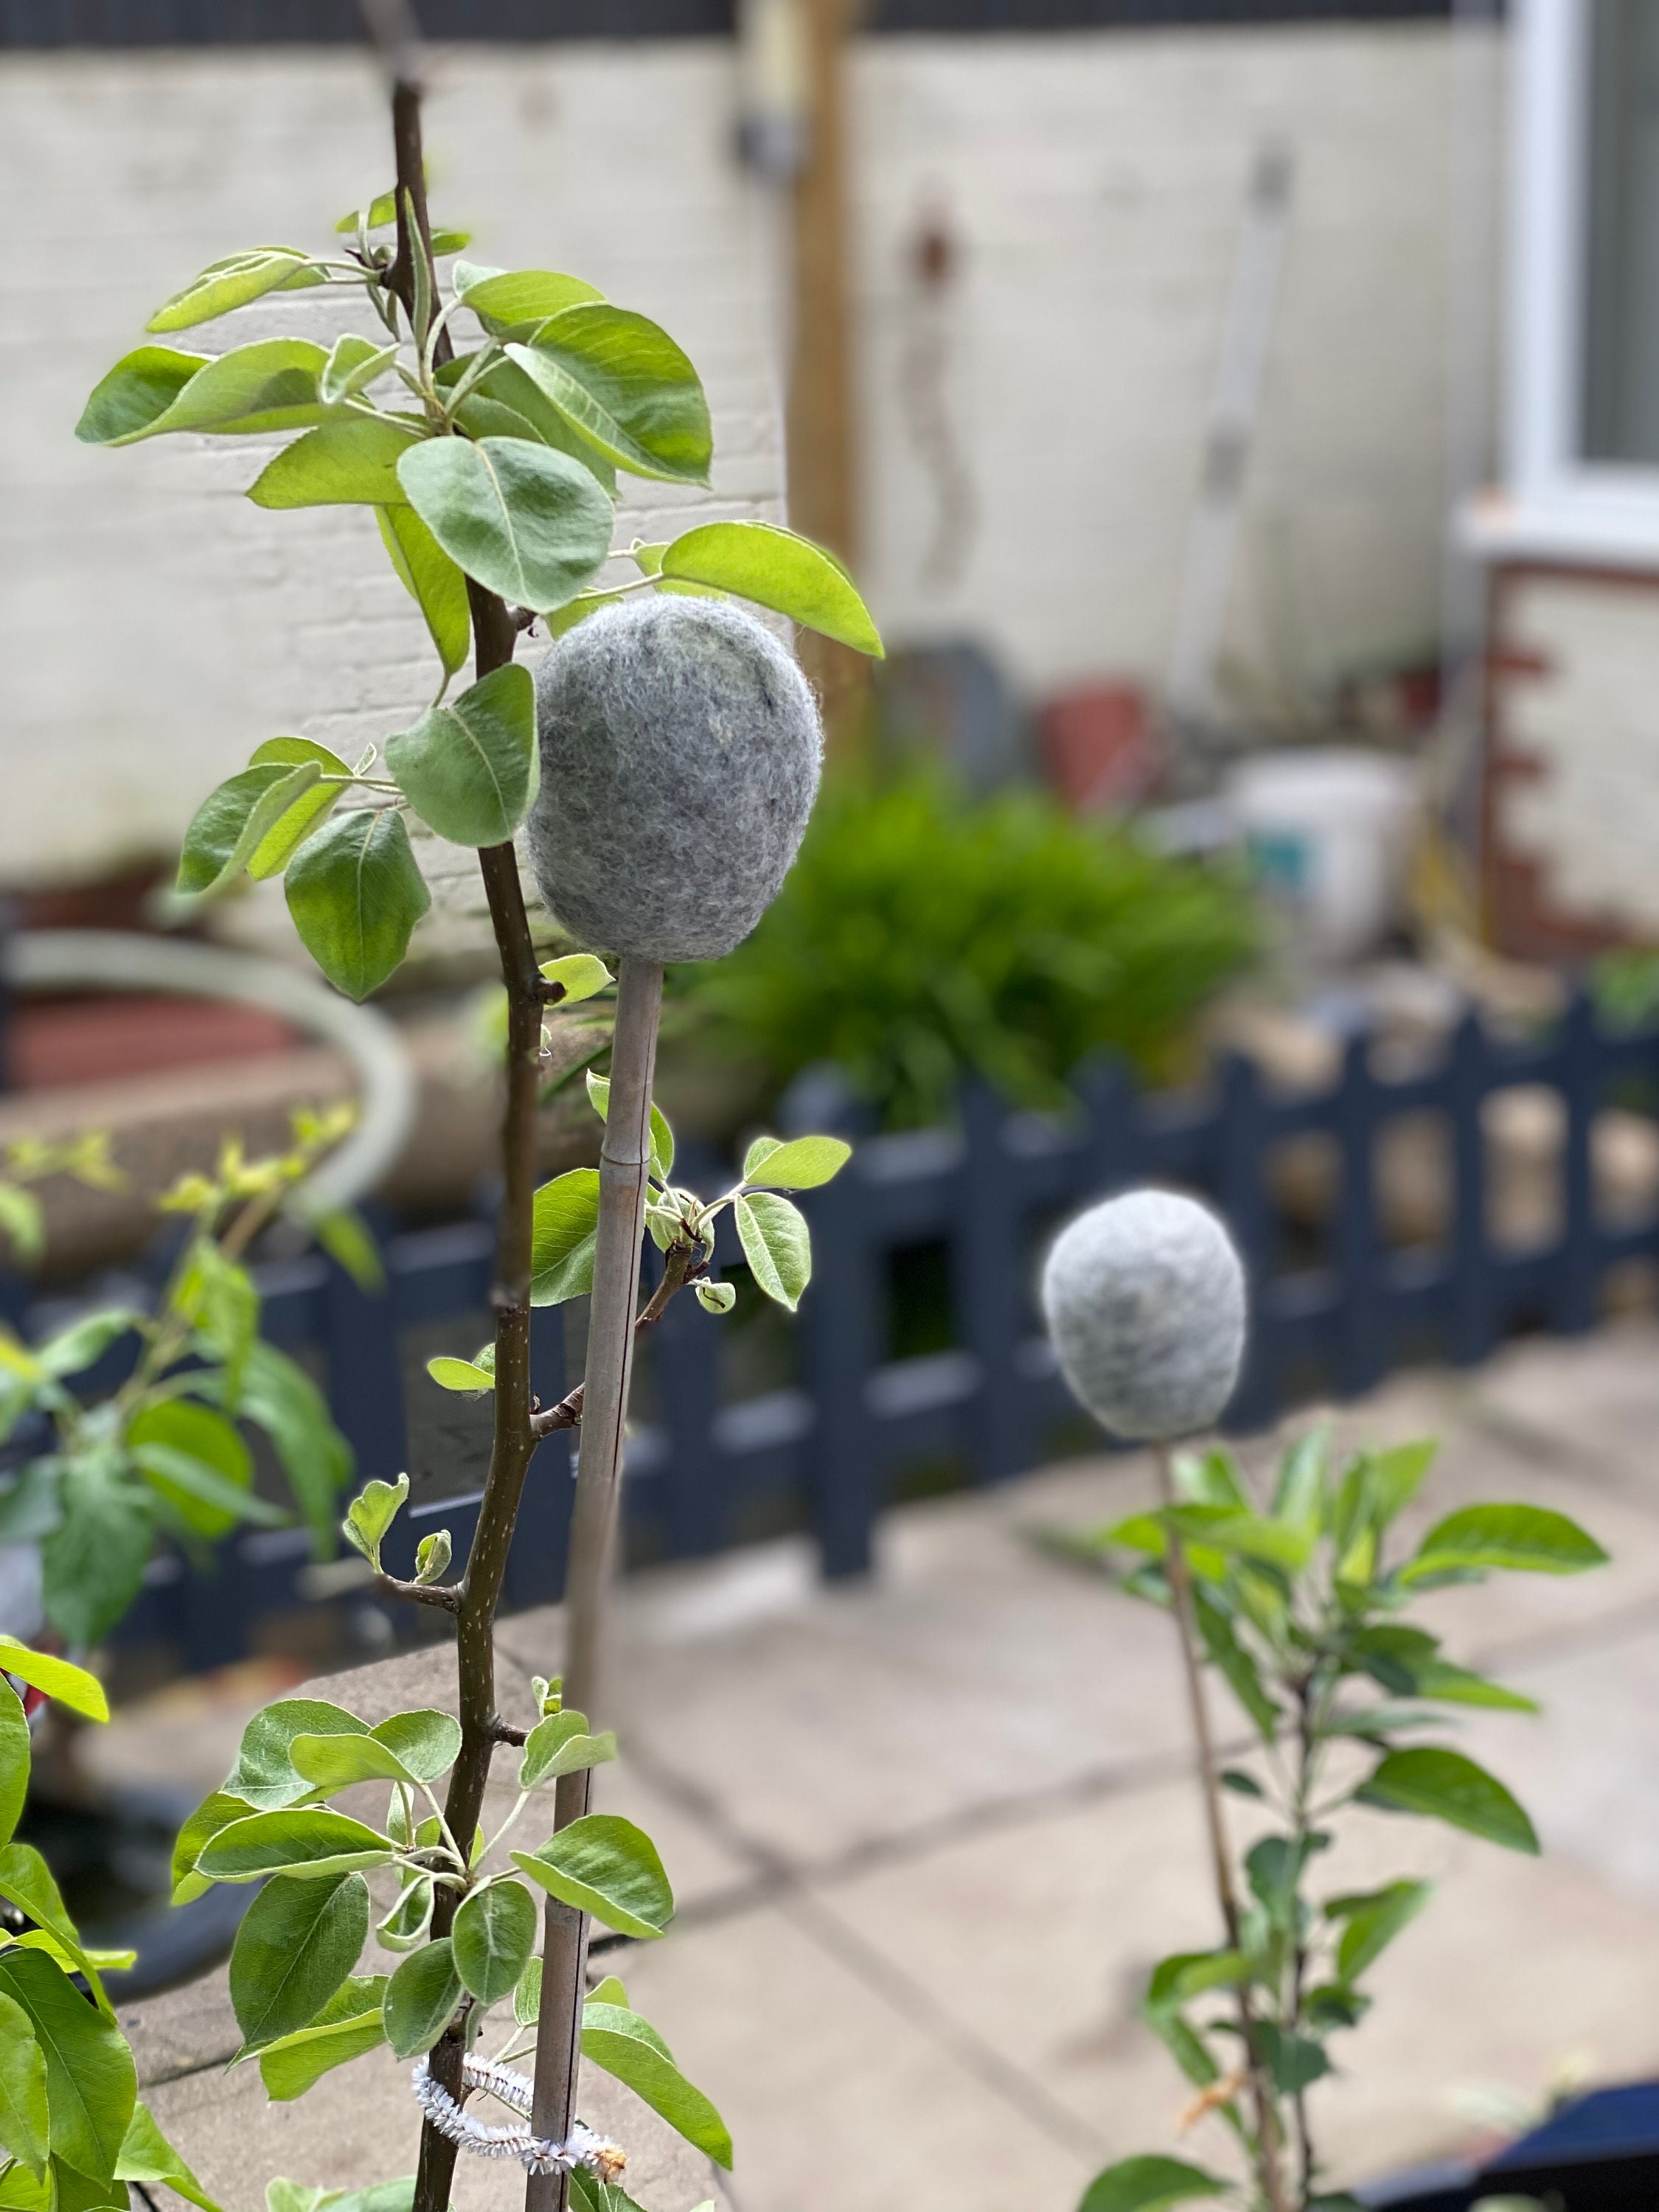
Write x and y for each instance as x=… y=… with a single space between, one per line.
x=582 y=2146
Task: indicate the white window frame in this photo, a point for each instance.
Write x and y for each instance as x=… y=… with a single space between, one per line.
x=1555 y=504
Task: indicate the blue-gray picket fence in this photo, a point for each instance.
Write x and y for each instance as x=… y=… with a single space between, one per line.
x=825 y=1448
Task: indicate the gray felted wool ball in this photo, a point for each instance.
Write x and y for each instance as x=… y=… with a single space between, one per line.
x=680 y=750
x=1144 y=1295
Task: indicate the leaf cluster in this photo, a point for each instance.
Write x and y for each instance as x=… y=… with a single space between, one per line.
x=72 y=2132
x=164 y=1453
x=492 y=463
x=306 y=1998
x=924 y=935
x=1300 y=1609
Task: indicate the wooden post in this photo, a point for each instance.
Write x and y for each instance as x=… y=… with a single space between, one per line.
x=822 y=474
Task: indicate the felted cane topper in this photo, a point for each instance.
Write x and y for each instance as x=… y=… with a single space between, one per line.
x=1144 y=1296
x=680 y=748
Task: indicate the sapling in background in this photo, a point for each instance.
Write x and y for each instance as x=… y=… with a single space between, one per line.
x=1300 y=1605
x=665 y=791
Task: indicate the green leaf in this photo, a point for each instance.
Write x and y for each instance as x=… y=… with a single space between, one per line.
x=85 y=1341
x=406 y=1926
x=1526 y=1539
x=213 y=1814
x=604 y=1865
x=353 y=363
x=1394 y=1478
x=495 y=1934
x=1140 y=2185
x=432 y=581
x=381 y=211
x=716 y=1297
x=1373 y=1921
x=350 y=2024
x=662 y=1137
x=270 y=386
x=351 y=461
x=432 y=1555
x=802 y=1164
x=1294 y=2060
x=355 y=894
x=1249 y=1535
x=505 y=403
x=1241 y=1784
x=1235 y=1663
x=428 y=1742
x=506 y=299
x=567 y=1216
x=233 y=821
x=561 y=1745
x=93 y=1563
x=199 y=1463
x=1299 y=1493
x=330 y=1762
x=461 y=1374
x=221 y=1299
x=762 y=561
x=527 y=523
x=1188 y=1974
x=23 y=1220
x=91 y=2085
x=527 y=1997
x=281 y=1397
x=14 y=1754
x=263 y=1774
x=308 y=1841
x=147 y=2156
x=1183 y=2044
x=22 y=2088
x=622 y=382
x=1445 y=1786
x=70 y=1685
x=135 y=394
x=470 y=768
x=578 y=974
x=372 y=1512
x=1456 y=1686
x=279 y=844
x=420 y=1998
x=297 y=1942
x=627 y=2047
x=226 y=285
x=777 y=1245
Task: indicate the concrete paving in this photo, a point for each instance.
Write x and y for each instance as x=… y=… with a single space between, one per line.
x=928 y=1833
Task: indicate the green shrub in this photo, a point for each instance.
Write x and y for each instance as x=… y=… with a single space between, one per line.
x=923 y=934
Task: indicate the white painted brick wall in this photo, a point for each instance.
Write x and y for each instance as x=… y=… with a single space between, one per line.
x=155 y=627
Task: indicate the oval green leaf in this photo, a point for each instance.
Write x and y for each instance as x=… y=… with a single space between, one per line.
x=470 y=768
x=1526 y=1539
x=777 y=1245
x=561 y=1745
x=493 y=1937
x=566 y=1221
x=578 y=974
x=70 y=1685
x=801 y=1165
x=604 y=1865
x=351 y=461
x=224 y=285
x=232 y=822
x=420 y=1998
x=772 y=567
x=428 y=1742
x=350 y=2024
x=137 y=392
x=91 y=2084
x=190 y=1454
x=1142 y=2184
x=460 y=1374
x=263 y=1774
x=23 y=2118
x=1443 y=1785
x=507 y=298
x=355 y=894
x=622 y=382
x=297 y=1942
x=432 y=581
x=353 y=364
x=528 y=523
x=213 y=1814
x=306 y=1842
x=629 y=2048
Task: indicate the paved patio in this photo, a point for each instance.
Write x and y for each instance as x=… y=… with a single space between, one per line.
x=929 y=1833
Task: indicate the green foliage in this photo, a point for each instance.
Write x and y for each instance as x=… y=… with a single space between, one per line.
x=71 y=2129
x=923 y=936
x=1298 y=1608
x=604 y=1865
x=164 y=1454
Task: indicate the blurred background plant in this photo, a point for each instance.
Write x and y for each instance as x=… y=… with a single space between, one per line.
x=925 y=935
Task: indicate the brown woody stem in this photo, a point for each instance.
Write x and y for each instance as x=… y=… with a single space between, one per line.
x=1268 y=2168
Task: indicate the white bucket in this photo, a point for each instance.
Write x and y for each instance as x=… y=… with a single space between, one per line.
x=1329 y=831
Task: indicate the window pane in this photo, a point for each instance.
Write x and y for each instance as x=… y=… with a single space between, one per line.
x=1621 y=349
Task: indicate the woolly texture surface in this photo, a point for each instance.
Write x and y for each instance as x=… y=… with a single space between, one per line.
x=680 y=748
x=1144 y=1296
